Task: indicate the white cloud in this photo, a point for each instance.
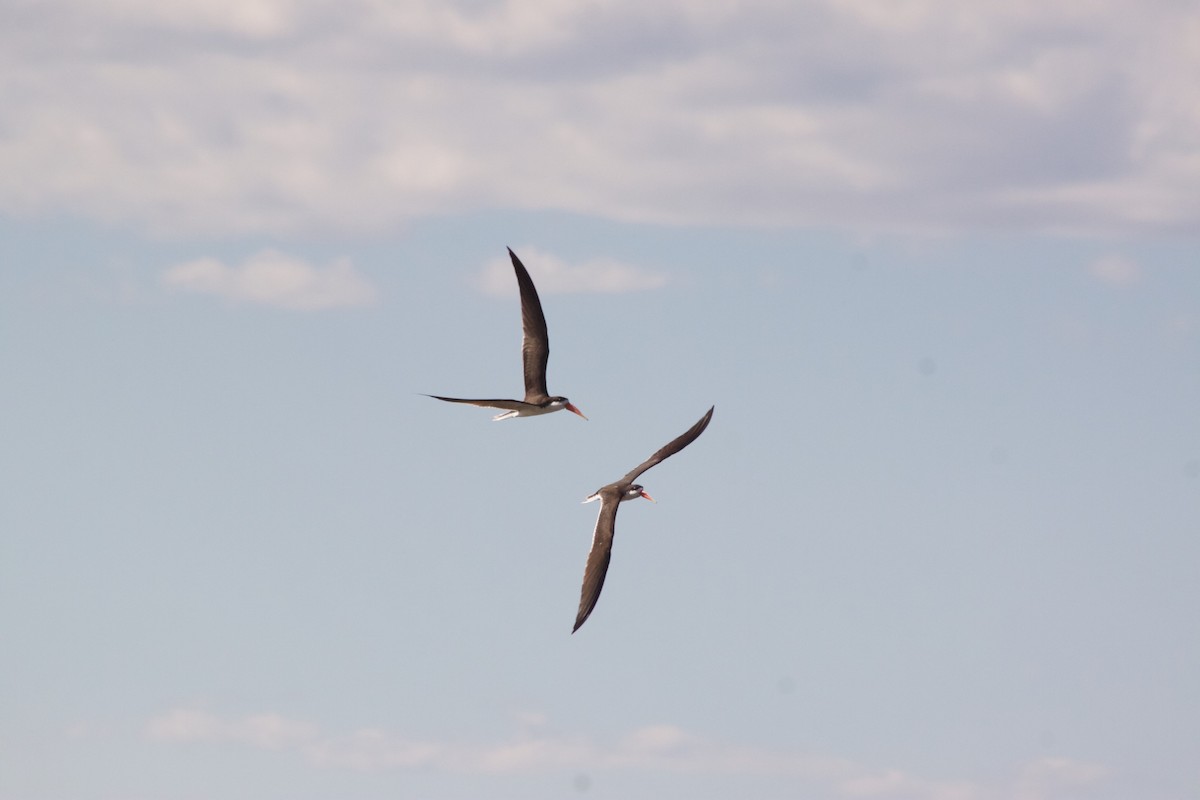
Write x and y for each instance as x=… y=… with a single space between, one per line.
x=1049 y=778
x=659 y=747
x=554 y=276
x=373 y=749
x=251 y=19
x=896 y=784
x=1115 y=270
x=266 y=731
x=279 y=116
x=658 y=739
x=274 y=279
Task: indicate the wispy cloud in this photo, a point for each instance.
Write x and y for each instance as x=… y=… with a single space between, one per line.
x=534 y=747
x=537 y=746
x=1115 y=270
x=898 y=784
x=1050 y=778
x=268 y=731
x=555 y=276
x=273 y=279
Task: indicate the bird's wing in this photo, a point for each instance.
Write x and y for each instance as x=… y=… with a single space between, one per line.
x=598 y=558
x=511 y=405
x=535 y=346
x=669 y=449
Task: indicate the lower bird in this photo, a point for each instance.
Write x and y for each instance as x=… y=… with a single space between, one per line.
x=610 y=497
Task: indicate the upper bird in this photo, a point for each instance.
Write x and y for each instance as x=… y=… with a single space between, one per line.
x=535 y=351
x=610 y=497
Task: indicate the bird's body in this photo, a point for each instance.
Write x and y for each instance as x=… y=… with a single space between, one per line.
x=535 y=353
x=611 y=496
x=517 y=408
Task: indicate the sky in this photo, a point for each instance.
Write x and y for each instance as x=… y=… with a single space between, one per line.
x=934 y=264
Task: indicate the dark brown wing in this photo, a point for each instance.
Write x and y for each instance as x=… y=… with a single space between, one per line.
x=670 y=449
x=511 y=405
x=535 y=347
x=598 y=558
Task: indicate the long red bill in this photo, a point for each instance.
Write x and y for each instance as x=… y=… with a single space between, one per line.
x=648 y=497
x=572 y=408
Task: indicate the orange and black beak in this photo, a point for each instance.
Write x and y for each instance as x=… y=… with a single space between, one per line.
x=574 y=410
x=648 y=497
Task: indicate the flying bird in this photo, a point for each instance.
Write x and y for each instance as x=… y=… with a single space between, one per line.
x=610 y=497
x=535 y=351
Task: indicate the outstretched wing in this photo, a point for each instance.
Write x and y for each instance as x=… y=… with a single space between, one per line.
x=535 y=346
x=670 y=449
x=511 y=405
x=598 y=558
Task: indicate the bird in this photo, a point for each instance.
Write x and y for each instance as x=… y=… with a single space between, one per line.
x=535 y=351
x=610 y=497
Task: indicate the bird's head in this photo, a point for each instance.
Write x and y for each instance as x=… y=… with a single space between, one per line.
x=562 y=402
x=634 y=492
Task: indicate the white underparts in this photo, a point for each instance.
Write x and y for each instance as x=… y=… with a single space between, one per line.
x=527 y=411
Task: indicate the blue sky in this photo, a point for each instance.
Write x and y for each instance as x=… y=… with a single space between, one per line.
x=935 y=267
